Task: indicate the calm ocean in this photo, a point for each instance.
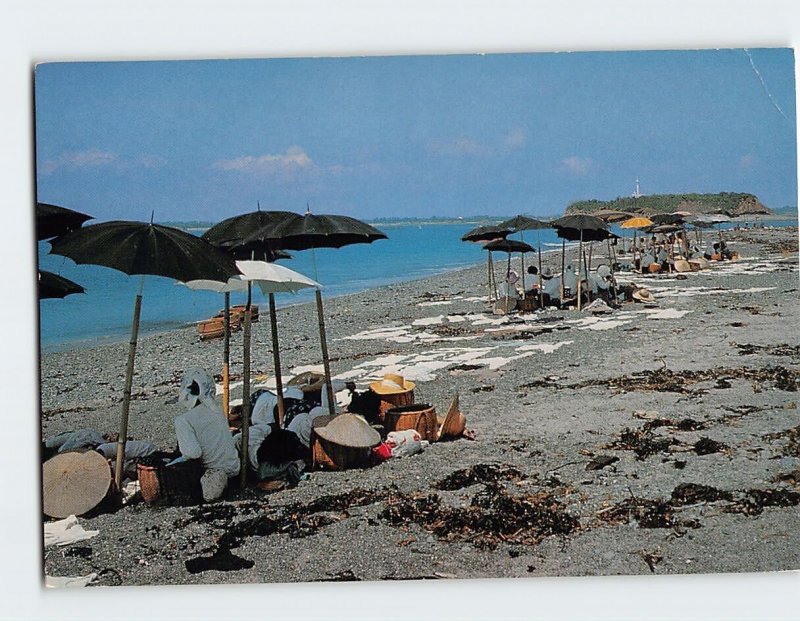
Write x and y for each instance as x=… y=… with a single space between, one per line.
x=105 y=311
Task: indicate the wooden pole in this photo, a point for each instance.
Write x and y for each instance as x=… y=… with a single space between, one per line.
x=323 y=341
x=563 y=259
x=541 y=292
x=226 y=358
x=489 y=274
x=276 y=356
x=494 y=276
x=612 y=259
x=126 y=395
x=246 y=391
x=508 y=285
x=522 y=264
x=580 y=252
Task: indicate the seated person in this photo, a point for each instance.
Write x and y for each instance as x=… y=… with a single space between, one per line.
x=203 y=434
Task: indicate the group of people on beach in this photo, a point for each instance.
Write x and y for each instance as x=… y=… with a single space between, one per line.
x=205 y=441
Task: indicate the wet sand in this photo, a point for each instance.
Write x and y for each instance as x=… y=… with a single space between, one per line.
x=652 y=440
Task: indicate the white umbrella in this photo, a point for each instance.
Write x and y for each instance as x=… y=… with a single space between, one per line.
x=271 y=279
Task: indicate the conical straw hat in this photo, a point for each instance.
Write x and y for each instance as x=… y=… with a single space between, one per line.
x=681 y=265
x=454 y=423
x=350 y=431
x=74 y=483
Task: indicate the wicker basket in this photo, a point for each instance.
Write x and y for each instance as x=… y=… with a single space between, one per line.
x=529 y=304
x=332 y=456
x=654 y=268
x=180 y=482
x=419 y=416
x=392 y=401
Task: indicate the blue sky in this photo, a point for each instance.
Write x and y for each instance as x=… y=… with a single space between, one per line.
x=412 y=135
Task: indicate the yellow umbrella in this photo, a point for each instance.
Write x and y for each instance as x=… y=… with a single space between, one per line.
x=638 y=222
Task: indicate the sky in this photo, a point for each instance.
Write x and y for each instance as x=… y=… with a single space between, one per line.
x=412 y=136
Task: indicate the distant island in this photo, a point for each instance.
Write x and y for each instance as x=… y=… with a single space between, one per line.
x=733 y=203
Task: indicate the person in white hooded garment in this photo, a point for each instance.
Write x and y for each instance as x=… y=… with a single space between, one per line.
x=203 y=433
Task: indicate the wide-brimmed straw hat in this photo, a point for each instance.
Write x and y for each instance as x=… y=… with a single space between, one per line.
x=74 y=483
x=644 y=295
x=308 y=381
x=682 y=265
x=392 y=384
x=350 y=431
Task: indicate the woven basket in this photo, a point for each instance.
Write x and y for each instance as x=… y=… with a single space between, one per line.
x=529 y=304
x=180 y=482
x=392 y=401
x=654 y=268
x=419 y=416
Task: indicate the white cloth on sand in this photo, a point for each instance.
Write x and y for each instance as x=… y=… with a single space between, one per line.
x=59 y=582
x=66 y=531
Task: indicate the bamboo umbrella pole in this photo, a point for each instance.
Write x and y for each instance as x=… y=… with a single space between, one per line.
x=489 y=274
x=522 y=264
x=563 y=259
x=612 y=259
x=589 y=265
x=325 y=360
x=541 y=293
x=126 y=395
x=226 y=357
x=246 y=391
x=494 y=276
x=508 y=284
x=580 y=252
x=276 y=356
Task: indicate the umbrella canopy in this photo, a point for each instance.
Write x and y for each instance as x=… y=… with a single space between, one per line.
x=232 y=232
x=52 y=220
x=580 y=221
x=666 y=218
x=486 y=233
x=610 y=215
x=638 y=222
x=508 y=245
x=55 y=286
x=571 y=234
x=316 y=231
x=269 y=277
x=523 y=223
x=142 y=248
x=711 y=218
x=663 y=228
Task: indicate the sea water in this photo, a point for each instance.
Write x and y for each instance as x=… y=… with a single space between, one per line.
x=105 y=311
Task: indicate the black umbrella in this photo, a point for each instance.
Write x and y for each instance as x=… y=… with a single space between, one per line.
x=482 y=234
x=587 y=227
x=55 y=286
x=52 y=220
x=143 y=248
x=311 y=231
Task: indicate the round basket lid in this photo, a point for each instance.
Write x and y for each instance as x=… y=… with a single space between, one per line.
x=74 y=483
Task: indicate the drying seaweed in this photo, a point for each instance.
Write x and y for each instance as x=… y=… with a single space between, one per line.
x=478 y=389
x=643 y=442
x=222 y=560
x=647 y=513
x=770 y=350
x=792 y=446
x=667 y=380
x=706 y=446
x=494 y=517
x=479 y=473
x=601 y=461
x=753 y=501
x=690 y=493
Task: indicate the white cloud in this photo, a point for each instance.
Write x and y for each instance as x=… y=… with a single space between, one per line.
x=79 y=159
x=294 y=159
x=747 y=161
x=577 y=166
x=516 y=138
x=97 y=158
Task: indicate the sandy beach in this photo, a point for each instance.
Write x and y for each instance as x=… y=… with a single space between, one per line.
x=657 y=439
